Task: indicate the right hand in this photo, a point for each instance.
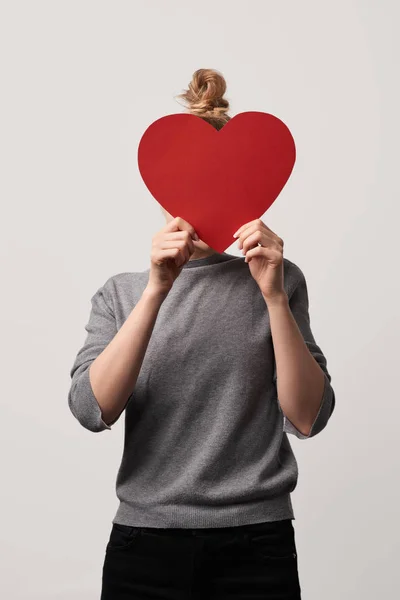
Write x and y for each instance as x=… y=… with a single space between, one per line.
x=172 y=247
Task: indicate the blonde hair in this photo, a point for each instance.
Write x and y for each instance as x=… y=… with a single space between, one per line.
x=204 y=97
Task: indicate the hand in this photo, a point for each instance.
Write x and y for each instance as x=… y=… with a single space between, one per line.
x=265 y=260
x=172 y=247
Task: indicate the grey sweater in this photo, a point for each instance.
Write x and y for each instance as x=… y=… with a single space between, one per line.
x=205 y=438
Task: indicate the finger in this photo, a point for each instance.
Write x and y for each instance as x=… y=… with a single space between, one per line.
x=252 y=238
x=239 y=231
x=274 y=256
x=178 y=255
x=179 y=224
x=273 y=235
x=263 y=229
x=255 y=223
x=180 y=235
x=245 y=233
x=255 y=238
x=160 y=256
x=180 y=244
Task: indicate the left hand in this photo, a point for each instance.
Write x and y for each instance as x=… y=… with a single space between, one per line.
x=265 y=260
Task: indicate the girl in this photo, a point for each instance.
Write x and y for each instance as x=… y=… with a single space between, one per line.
x=212 y=360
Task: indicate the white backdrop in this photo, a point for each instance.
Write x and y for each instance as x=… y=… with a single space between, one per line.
x=81 y=80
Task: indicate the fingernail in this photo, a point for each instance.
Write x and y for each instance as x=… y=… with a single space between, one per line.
x=196 y=237
x=235 y=235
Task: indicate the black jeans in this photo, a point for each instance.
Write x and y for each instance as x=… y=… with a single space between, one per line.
x=250 y=561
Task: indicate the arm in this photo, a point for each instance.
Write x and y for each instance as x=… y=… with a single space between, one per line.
x=106 y=368
x=305 y=394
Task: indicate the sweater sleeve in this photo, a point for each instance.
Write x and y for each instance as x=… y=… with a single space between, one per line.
x=299 y=305
x=101 y=328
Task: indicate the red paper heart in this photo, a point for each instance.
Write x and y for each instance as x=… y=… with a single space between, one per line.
x=216 y=180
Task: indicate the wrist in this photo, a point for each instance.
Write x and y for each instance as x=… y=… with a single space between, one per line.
x=151 y=291
x=278 y=300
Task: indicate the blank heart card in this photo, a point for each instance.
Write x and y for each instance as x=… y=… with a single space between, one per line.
x=216 y=180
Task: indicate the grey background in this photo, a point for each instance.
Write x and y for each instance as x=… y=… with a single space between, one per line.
x=80 y=83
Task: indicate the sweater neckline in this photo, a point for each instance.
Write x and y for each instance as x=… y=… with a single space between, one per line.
x=212 y=259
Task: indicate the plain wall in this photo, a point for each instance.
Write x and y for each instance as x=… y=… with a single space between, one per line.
x=81 y=81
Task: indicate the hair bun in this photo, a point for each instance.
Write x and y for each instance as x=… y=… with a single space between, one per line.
x=205 y=97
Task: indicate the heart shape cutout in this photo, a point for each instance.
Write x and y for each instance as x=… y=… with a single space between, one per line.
x=216 y=180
